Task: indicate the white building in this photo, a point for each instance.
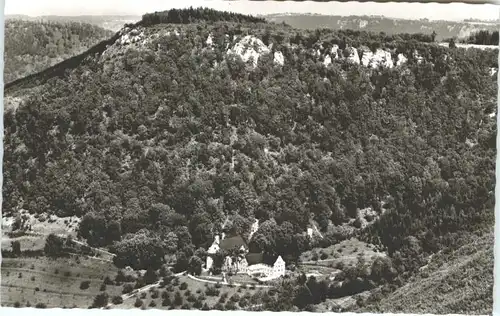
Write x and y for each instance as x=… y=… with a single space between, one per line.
x=267 y=272
x=214 y=248
x=245 y=262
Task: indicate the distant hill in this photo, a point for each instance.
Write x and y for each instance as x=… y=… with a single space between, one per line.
x=109 y=22
x=31 y=46
x=444 y=29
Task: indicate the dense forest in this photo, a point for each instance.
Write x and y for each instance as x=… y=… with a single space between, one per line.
x=31 y=46
x=483 y=38
x=154 y=145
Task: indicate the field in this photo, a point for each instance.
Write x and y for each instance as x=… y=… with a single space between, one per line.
x=191 y=291
x=27 y=242
x=55 y=283
x=346 y=252
x=36 y=228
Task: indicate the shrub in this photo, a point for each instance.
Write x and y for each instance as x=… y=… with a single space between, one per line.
x=17 y=304
x=143 y=295
x=243 y=302
x=138 y=303
x=41 y=305
x=139 y=284
x=101 y=300
x=219 y=307
x=230 y=305
x=178 y=300
x=198 y=304
x=155 y=294
x=32 y=278
x=360 y=302
x=175 y=281
x=183 y=286
x=205 y=307
x=323 y=256
x=84 y=285
x=211 y=291
x=117 y=300
x=127 y=288
x=191 y=298
x=152 y=304
x=166 y=301
x=20 y=275
x=108 y=281
x=103 y=287
x=235 y=297
x=67 y=273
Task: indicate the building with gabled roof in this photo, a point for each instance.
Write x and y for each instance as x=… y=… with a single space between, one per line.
x=245 y=262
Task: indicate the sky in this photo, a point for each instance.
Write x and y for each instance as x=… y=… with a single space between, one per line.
x=432 y=11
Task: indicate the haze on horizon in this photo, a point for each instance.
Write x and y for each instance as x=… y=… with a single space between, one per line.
x=431 y=11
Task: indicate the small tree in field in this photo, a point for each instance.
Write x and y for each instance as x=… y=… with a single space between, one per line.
x=138 y=303
x=84 y=285
x=101 y=300
x=16 y=248
x=117 y=300
x=53 y=246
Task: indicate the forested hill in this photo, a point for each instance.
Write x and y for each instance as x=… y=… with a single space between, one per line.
x=158 y=136
x=108 y=22
x=443 y=29
x=31 y=46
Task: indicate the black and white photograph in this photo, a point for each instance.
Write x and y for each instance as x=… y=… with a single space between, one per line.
x=249 y=156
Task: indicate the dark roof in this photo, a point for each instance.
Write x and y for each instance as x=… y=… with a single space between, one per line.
x=231 y=242
x=254 y=258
